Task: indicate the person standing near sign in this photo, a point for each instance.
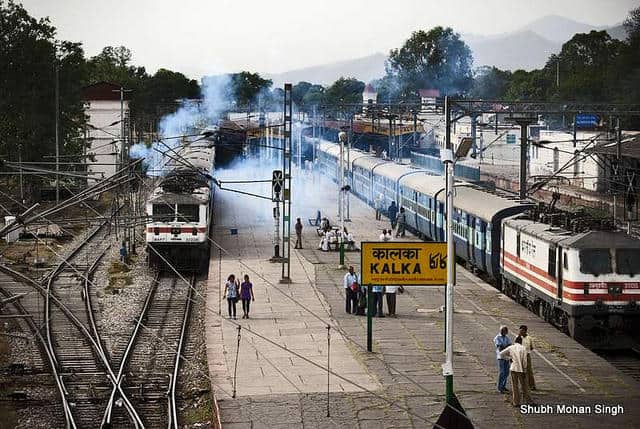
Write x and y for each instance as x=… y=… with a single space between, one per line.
x=351 y=286
x=390 y=292
x=378 y=296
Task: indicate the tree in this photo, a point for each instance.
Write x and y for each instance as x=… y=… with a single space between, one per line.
x=490 y=83
x=246 y=86
x=158 y=95
x=585 y=64
x=29 y=57
x=314 y=96
x=436 y=59
x=298 y=92
x=526 y=85
x=344 y=91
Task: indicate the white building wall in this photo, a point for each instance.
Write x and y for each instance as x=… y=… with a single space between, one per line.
x=102 y=135
x=557 y=150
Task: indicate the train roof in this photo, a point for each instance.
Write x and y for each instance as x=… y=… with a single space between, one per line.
x=566 y=238
x=333 y=149
x=426 y=184
x=368 y=162
x=483 y=203
x=394 y=171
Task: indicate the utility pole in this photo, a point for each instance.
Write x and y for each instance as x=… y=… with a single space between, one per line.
x=342 y=136
x=286 y=189
x=57 y=132
x=349 y=172
x=523 y=122
x=20 y=162
x=618 y=175
x=124 y=161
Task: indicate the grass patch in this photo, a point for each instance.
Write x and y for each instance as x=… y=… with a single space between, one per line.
x=200 y=413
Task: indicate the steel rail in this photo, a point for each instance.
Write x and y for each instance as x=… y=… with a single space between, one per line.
x=173 y=412
x=43 y=348
x=134 y=335
x=87 y=298
x=49 y=296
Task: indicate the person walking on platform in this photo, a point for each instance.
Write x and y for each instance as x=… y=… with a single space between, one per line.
x=231 y=293
x=501 y=342
x=246 y=295
x=518 y=356
x=392 y=211
x=351 y=286
x=298 y=234
x=402 y=222
x=377 y=203
x=378 y=296
x=527 y=342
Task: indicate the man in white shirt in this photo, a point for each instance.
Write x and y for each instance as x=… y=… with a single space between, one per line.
x=385 y=236
x=518 y=356
x=350 y=294
x=527 y=342
x=390 y=291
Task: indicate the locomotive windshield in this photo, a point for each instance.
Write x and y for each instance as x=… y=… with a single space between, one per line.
x=163 y=213
x=188 y=213
x=628 y=261
x=595 y=261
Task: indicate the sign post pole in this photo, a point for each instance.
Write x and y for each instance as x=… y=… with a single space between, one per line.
x=401 y=263
x=369 y=318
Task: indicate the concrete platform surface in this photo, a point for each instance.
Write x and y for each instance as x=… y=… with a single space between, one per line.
x=401 y=383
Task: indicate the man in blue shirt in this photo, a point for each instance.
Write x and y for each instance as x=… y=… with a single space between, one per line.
x=501 y=342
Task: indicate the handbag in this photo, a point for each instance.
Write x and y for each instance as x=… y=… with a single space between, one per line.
x=354 y=286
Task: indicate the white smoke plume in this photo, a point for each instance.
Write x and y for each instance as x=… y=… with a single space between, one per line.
x=190 y=117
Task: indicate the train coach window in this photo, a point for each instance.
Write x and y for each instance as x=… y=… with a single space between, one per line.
x=595 y=261
x=163 y=213
x=628 y=261
x=188 y=213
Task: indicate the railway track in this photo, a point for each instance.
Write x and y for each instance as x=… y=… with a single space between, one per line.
x=150 y=361
x=11 y=288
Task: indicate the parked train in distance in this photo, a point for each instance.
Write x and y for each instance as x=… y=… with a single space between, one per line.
x=583 y=281
x=179 y=210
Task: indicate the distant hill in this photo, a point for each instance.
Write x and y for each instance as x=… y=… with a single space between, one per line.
x=526 y=48
x=617 y=32
x=557 y=28
x=521 y=50
x=364 y=69
x=530 y=47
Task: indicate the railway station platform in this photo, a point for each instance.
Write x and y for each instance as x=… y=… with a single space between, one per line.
x=400 y=384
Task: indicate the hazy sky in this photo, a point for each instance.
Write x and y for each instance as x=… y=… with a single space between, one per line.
x=199 y=37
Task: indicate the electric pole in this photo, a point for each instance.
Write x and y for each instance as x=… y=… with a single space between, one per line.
x=57 y=132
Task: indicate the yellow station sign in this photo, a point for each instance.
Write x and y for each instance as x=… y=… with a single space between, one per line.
x=403 y=263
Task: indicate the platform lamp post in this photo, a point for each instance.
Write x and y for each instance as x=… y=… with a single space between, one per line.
x=448 y=158
x=342 y=136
